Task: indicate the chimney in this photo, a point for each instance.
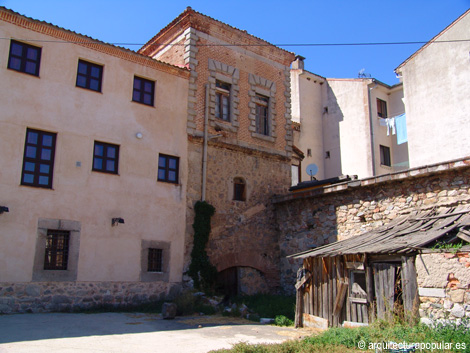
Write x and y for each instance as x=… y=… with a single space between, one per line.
x=298 y=63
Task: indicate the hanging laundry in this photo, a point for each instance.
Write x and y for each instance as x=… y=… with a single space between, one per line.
x=391 y=126
x=382 y=122
x=402 y=133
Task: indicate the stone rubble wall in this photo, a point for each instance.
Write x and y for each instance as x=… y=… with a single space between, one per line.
x=39 y=297
x=444 y=285
x=337 y=212
x=243 y=233
x=252 y=281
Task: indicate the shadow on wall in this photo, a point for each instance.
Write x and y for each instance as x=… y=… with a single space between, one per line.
x=303 y=227
x=332 y=116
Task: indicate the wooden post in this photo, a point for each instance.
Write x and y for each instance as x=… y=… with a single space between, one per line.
x=370 y=289
x=410 y=288
x=299 y=303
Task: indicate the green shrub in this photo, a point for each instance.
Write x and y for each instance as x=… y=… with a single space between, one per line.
x=281 y=320
x=201 y=270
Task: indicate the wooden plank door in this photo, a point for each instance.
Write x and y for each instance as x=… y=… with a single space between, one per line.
x=384 y=281
x=358 y=305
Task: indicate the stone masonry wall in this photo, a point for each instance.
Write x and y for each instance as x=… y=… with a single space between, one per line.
x=243 y=232
x=325 y=215
x=68 y=296
x=444 y=285
x=252 y=281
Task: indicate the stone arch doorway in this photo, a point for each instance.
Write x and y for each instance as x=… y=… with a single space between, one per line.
x=245 y=273
x=241 y=280
x=227 y=282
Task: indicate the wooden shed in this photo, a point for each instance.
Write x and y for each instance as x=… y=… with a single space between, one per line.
x=372 y=275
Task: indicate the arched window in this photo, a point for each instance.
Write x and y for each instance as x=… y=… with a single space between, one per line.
x=239 y=189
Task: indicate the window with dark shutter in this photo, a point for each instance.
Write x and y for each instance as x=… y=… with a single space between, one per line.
x=38 y=159
x=168 y=168
x=385 y=156
x=143 y=91
x=89 y=75
x=381 y=108
x=105 y=157
x=24 y=58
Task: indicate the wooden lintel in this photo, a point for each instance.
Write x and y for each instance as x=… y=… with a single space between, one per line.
x=384 y=258
x=358 y=300
x=354 y=265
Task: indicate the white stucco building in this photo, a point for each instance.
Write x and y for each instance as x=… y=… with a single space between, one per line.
x=343 y=125
x=436 y=94
x=93 y=151
x=365 y=127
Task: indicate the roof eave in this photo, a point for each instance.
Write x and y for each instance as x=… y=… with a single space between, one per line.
x=398 y=69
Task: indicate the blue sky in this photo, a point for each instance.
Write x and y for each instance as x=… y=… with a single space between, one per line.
x=278 y=22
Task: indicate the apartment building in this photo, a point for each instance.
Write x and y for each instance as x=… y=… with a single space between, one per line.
x=93 y=150
x=347 y=126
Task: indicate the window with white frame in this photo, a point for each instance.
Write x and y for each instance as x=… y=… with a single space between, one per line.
x=262 y=105
x=222 y=101
x=223 y=96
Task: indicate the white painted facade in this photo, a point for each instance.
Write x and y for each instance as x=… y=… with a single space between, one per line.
x=82 y=200
x=340 y=129
x=436 y=86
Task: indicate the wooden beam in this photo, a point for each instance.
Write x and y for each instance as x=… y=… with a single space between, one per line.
x=464 y=235
x=358 y=300
x=303 y=280
x=355 y=265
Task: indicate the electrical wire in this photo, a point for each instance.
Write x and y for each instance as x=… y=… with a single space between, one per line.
x=248 y=45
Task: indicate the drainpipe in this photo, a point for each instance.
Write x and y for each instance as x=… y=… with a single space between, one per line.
x=369 y=88
x=206 y=137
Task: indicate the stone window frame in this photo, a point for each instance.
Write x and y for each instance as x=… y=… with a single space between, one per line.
x=70 y=274
x=262 y=87
x=231 y=189
x=239 y=196
x=145 y=275
x=219 y=71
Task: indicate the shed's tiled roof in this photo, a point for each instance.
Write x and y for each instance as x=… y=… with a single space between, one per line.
x=405 y=234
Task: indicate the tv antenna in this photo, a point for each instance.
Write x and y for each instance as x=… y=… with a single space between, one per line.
x=362 y=74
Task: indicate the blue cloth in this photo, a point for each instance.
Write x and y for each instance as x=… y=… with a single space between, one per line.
x=402 y=134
